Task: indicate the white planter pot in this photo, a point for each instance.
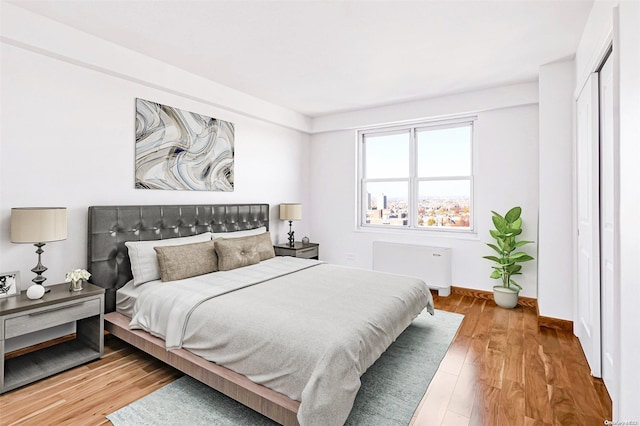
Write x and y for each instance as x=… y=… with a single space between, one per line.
x=505 y=297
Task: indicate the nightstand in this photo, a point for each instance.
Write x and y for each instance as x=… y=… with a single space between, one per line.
x=20 y=315
x=306 y=251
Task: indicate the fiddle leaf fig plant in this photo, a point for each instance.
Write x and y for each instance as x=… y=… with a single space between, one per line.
x=507 y=229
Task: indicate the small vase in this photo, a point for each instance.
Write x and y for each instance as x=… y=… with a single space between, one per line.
x=75 y=285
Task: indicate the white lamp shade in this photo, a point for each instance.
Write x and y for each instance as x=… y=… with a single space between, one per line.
x=38 y=224
x=291 y=211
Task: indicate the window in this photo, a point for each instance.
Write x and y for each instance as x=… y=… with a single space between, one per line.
x=417 y=177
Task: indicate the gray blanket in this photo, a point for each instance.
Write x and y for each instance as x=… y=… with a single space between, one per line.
x=310 y=334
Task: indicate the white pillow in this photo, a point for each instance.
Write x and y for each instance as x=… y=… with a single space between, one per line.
x=144 y=261
x=238 y=234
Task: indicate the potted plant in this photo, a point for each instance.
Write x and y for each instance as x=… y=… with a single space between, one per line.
x=507 y=261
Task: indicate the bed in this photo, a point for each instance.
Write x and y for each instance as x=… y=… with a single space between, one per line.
x=280 y=330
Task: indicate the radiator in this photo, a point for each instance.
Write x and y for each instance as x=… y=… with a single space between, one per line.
x=431 y=264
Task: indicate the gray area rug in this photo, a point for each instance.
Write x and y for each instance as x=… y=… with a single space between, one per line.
x=391 y=389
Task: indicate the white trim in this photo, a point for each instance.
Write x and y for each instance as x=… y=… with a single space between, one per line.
x=413 y=173
x=594 y=64
x=448 y=233
x=430 y=123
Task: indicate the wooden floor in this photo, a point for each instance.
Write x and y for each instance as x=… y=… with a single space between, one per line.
x=501 y=369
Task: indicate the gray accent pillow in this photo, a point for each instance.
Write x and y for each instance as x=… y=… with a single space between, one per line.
x=263 y=243
x=236 y=253
x=265 y=246
x=144 y=262
x=188 y=260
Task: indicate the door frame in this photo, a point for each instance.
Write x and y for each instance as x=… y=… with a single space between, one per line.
x=597 y=61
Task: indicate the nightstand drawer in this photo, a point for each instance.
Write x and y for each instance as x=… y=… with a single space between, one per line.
x=50 y=317
x=307 y=253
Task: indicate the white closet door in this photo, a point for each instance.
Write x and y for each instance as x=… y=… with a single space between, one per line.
x=608 y=233
x=587 y=326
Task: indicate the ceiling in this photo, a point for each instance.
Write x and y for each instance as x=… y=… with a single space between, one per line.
x=322 y=57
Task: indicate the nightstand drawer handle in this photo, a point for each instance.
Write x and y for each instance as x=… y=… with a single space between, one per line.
x=307 y=250
x=35 y=314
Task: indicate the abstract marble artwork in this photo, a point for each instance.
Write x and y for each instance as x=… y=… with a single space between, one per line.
x=177 y=149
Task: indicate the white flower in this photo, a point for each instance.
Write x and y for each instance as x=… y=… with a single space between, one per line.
x=76 y=275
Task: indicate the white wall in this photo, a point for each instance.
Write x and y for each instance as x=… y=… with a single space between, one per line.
x=28 y=30
x=628 y=38
x=502 y=135
x=444 y=106
x=67 y=136
x=555 y=236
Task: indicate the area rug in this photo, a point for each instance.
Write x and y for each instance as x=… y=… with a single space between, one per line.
x=391 y=388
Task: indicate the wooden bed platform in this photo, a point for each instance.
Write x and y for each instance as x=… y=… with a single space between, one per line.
x=265 y=401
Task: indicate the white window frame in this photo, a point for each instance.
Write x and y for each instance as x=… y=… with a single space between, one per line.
x=413 y=180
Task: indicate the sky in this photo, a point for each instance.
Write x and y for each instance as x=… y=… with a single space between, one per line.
x=442 y=152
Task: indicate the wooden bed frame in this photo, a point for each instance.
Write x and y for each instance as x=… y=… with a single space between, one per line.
x=108 y=261
x=276 y=406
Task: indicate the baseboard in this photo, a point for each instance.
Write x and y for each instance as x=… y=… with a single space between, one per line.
x=528 y=302
x=556 y=323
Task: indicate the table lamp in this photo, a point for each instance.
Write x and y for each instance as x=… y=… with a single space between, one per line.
x=38 y=225
x=291 y=212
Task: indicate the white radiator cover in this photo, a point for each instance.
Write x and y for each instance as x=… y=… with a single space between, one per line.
x=431 y=264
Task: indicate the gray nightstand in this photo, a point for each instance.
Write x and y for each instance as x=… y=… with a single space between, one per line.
x=307 y=251
x=20 y=315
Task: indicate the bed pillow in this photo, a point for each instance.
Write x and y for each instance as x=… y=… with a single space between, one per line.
x=263 y=243
x=187 y=260
x=264 y=246
x=236 y=253
x=144 y=262
x=239 y=234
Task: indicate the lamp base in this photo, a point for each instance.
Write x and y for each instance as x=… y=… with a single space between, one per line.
x=40 y=268
x=291 y=238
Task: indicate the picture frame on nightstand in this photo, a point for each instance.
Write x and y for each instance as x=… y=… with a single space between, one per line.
x=9 y=282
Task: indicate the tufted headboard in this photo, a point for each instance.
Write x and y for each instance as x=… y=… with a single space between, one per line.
x=111 y=226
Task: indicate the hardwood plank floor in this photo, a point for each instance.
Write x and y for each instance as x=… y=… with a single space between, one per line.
x=513 y=373
x=501 y=369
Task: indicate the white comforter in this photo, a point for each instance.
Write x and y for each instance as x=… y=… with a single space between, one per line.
x=303 y=328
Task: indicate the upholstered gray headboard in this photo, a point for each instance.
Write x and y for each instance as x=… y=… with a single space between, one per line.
x=111 y=226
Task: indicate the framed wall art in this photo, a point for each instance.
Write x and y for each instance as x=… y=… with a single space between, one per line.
x=9 y=282
x=182 y=150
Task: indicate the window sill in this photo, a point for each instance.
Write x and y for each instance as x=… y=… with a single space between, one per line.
x=429 y=233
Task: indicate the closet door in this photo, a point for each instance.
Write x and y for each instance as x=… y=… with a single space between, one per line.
x=608 y=230
x=587 y=326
